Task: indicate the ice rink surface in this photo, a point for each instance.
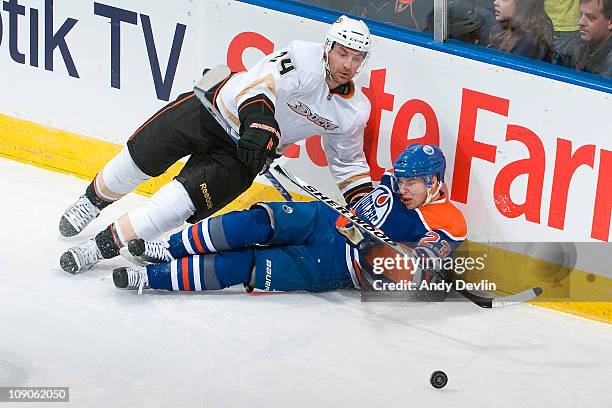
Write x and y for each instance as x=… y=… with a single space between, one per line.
x=226 y=349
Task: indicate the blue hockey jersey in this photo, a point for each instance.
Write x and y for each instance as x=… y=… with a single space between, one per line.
x=433 y=230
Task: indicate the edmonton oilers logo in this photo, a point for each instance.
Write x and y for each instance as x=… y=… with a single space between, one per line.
x=428 y=150
x=376 y=206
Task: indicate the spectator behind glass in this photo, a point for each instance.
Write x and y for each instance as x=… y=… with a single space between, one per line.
x=524 y=29
x=405 y=13
x=594 y=54
x=466 y=22
x=564 y=15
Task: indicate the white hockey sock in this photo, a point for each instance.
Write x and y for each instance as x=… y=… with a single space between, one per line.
x=167 y=209
x=119 y=177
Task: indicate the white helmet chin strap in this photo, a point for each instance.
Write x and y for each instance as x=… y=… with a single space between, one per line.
x=431 y=196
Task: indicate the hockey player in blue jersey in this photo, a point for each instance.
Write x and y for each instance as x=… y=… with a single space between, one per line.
x=288 y=246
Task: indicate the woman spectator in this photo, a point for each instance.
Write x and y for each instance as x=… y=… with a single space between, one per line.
x=524 y=29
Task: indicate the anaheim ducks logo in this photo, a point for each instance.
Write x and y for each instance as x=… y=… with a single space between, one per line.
x=304 y=110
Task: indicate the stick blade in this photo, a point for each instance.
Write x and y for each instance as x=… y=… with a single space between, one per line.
x=522 y=297
x=211 y=78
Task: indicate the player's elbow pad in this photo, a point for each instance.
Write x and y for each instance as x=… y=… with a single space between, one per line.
x=358 y=192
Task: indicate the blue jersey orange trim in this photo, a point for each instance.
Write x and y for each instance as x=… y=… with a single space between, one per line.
x=442 y=215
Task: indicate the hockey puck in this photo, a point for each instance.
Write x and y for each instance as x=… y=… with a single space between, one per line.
x=438 y=379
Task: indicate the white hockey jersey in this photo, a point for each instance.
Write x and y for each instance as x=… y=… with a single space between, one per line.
x=293 y=78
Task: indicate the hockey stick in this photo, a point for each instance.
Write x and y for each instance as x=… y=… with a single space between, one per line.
x=209 y=80
x=378 y=235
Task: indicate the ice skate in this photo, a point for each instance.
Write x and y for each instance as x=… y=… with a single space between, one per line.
x=77 y=217
x=131 y=278
x=146 y=252
x=81 y=257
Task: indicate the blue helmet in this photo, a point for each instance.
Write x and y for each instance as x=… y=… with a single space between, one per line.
x=419 y=160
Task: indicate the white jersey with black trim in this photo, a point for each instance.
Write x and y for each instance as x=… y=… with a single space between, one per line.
x=293 y=78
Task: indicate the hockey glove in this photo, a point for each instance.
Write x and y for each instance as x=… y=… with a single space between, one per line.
x=350 y=231
x=258 y=141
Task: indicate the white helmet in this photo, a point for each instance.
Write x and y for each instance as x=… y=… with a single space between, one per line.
x=353 y=34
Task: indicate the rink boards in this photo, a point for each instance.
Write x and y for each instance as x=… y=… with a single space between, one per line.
x=527 y=152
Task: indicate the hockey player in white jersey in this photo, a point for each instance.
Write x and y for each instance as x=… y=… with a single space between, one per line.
x=301 y=90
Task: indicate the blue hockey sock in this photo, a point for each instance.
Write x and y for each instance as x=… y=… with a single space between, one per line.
x=234 y=230
x=203 y=272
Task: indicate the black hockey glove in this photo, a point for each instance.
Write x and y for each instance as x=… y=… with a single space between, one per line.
x=259 y=138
